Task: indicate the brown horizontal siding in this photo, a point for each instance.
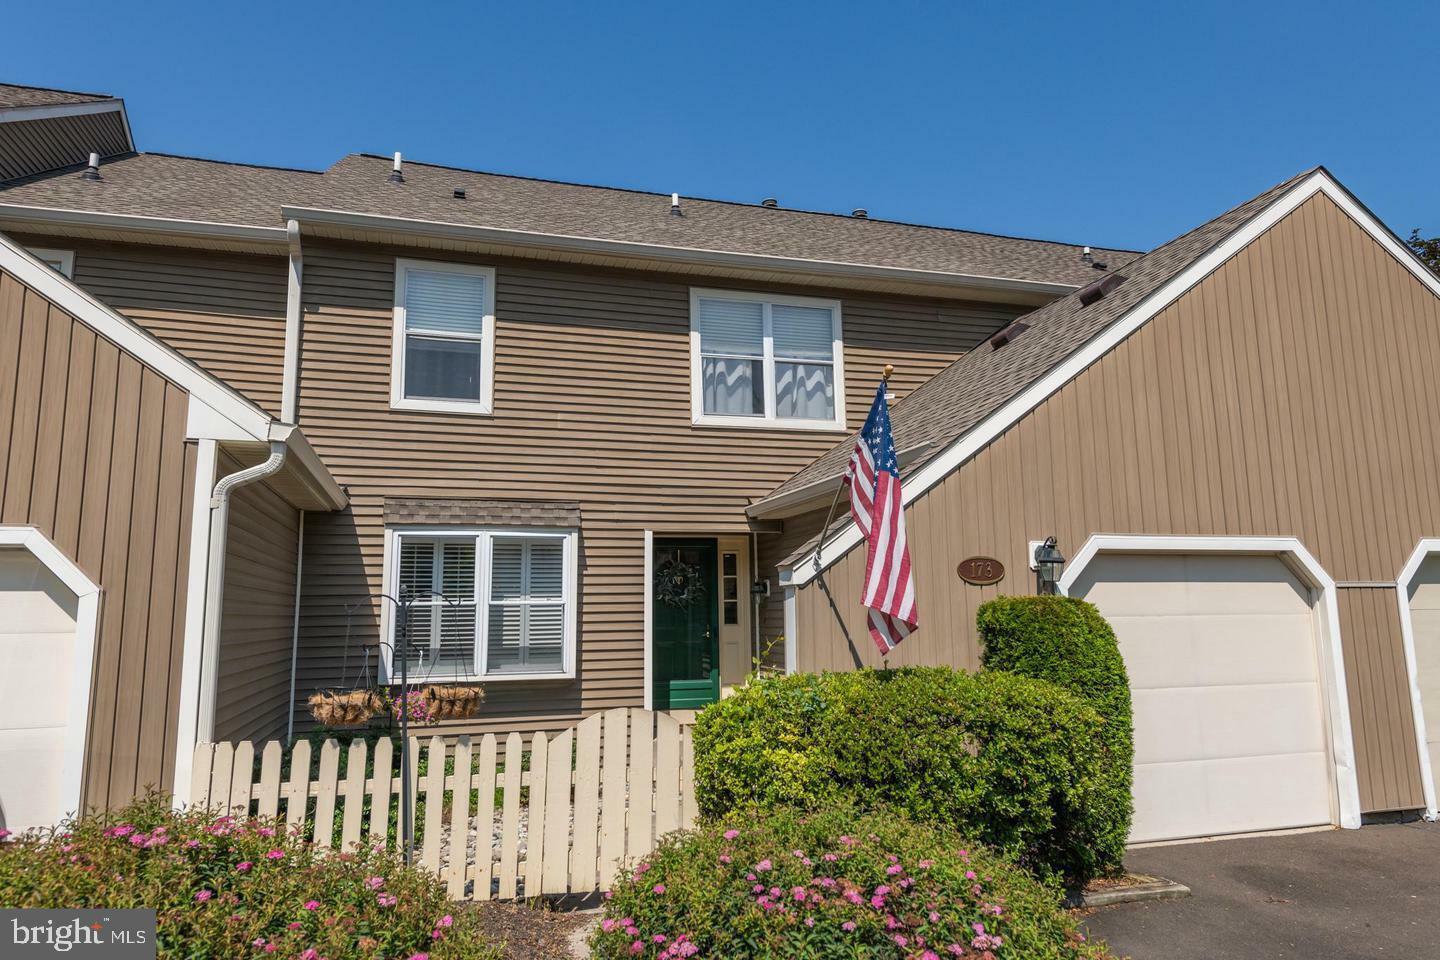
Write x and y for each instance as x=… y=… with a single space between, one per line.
x=225 y=311
x=1290 y=393
x=34 y=146
x=95 y=458
x=592 y=404
x=252 y=697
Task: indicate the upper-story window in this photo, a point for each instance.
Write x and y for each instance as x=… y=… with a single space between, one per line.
x=766 y=360
x=444 y=346
x=61 y=261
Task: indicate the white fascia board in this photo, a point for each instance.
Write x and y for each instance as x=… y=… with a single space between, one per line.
x=63 y=293
x=985 y=432
x=170 y=226
x=46 y=111
x=300 y=451
x=654 y=251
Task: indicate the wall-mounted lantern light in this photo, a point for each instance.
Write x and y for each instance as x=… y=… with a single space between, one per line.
x=1049 y=563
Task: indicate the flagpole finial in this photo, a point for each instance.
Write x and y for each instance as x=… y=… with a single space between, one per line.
x=889 y=369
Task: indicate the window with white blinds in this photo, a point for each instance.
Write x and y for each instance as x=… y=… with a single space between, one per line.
x=486 y=603
x=444 y=333
x=766 y=360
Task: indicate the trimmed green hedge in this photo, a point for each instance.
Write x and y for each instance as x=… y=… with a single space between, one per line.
x=1068 y=643
x=1011 y=761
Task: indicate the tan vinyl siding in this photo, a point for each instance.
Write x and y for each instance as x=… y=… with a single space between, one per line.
x=225 y=311
x=252 y=697
x=1290 y=393
x=34 y=146
x=95 y=457
x=592 y=404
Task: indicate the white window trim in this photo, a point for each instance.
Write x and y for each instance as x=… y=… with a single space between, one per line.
x=398 y=400
x=769 y=421
x=483 y=537
x=66 y=259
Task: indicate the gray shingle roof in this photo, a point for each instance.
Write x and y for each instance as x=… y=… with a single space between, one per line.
x=160 y=185
x=185 y=188
x=14 y=95
x=945 y=407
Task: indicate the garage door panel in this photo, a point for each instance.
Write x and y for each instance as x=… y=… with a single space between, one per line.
x=1181 y=585
x=1229 y=719
x=1174 y=651
x=1214 y=797
x=1426 y=627
x=37 y=652
x=32 y=797
x=1207 y=723
x=29 y=666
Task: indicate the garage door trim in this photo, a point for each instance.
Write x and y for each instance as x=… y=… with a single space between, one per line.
x=1331 y=654
x=1408 y=573
x=86 y=621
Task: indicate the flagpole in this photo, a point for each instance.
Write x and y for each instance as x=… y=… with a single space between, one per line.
x=884 y=378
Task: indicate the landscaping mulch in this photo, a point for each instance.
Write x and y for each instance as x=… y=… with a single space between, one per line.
x=533 y=933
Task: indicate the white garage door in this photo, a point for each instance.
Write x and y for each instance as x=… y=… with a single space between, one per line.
x=1425 y=624
x=1229 y=718
x=37 y=649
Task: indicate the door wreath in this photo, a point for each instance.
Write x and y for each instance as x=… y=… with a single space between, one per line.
x=679 y=584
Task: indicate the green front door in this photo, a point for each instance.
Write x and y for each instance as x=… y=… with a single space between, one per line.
x=685 y=628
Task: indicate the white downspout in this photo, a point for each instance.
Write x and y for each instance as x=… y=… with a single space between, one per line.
x=215 y=581
x=295 y=630
x=290 y=383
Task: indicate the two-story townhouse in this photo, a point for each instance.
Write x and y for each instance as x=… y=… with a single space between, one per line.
x=595 y=433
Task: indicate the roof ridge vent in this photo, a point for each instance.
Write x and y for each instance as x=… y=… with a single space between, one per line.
x=770 y=203
x=860 y=213
x=1100 y=289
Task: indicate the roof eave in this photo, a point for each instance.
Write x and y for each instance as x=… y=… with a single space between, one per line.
x=12 y=214
x=316 y=220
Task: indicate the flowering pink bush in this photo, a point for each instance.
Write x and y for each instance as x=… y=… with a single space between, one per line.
x=416 y=704
x=833 y=885
x=228 y=888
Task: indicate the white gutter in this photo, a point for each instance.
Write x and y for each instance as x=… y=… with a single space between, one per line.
x=800 y=499
x=290 y=386
x=295 y=630
x=215 y=581
x=654 y=251
x=270 y=236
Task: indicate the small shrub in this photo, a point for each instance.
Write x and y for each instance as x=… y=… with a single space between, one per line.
x=832 y=885
x=1068 y=643
x=1008 y=760
x=224 y=888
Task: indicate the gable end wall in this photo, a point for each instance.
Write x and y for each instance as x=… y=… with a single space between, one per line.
x=1290 y=393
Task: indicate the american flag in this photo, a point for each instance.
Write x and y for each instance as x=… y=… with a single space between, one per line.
x=875 y=503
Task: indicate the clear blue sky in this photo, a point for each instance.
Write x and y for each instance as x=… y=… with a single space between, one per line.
x=1105 y=123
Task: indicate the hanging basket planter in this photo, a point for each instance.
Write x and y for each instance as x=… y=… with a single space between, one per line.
x=453 y=701
x=345 y=708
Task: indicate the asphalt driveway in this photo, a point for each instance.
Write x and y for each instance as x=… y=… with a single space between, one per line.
x=1337 y=895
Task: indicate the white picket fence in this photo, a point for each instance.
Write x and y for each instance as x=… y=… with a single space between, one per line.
x=594 y=796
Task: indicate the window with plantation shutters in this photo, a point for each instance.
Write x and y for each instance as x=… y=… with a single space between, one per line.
x=513 y=615
x=527 y=606
x=444 y=336
x=764 y=360
x=439 y=576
